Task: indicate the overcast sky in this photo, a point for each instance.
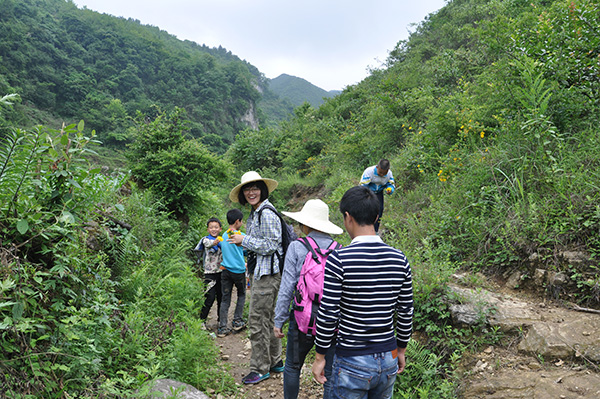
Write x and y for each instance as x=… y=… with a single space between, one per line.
x=330 y=43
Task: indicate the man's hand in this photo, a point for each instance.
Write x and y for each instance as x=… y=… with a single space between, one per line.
x=278 y=333
x=401 y=359
x=318 y=368
x=235 y=239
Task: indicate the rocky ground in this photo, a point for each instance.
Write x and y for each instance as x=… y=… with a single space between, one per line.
x=549 y=350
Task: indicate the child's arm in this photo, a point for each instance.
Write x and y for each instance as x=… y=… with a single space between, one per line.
x=208 y=243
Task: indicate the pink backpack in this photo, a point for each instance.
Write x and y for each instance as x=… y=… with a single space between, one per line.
x=309 y=288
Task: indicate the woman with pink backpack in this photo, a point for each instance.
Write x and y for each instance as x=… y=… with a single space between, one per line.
x=302 y=282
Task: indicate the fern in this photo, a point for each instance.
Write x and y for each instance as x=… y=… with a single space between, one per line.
x=6 y=100
x=7 y=150
x=423 y=376
x=29 y=144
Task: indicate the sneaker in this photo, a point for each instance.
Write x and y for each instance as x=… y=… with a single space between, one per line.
x=238 y=325
x=223 y=332
x=254 y=378
x=278 y=367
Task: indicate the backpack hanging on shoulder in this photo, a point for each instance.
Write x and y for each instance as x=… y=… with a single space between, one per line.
x=287 y=235
x=309 y=289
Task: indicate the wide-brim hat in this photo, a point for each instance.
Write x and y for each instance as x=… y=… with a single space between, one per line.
x=315 y=214
x=250 y=177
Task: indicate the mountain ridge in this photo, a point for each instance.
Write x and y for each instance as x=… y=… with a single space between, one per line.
x=298 y=90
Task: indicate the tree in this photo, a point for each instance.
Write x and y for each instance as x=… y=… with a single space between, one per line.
x=178 y=170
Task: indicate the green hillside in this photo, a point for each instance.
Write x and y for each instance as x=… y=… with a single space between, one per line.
x=71 y=64
x=298 y=90
x=489 y=114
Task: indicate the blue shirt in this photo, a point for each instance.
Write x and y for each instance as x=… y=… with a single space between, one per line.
x=377 y=183
x=233 y=255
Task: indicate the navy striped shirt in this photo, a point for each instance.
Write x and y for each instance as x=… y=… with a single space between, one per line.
x=367 y=298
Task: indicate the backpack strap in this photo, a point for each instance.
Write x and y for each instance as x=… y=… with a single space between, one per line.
x=269 y=207
x=280 y=257
x=334 y=245
x=314 y=247
x=311 y=247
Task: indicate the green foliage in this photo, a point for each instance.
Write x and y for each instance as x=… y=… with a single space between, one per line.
x=254 y=150
x=88 y=309
x=298 y=90
x=424 y=376
x=476 y=112
x=79 y=64
x=177 y=170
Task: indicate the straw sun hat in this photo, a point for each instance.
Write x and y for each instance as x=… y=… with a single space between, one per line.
x=250 y=177
x=315 y=214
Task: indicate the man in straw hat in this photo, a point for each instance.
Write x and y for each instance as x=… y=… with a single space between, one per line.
x=263 y=241
x=315 y=224
x=367 y=305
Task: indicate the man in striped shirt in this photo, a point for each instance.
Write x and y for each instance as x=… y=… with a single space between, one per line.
x=367 y=304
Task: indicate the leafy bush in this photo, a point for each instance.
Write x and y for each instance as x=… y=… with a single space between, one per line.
x=88 y=309
x=177 y=170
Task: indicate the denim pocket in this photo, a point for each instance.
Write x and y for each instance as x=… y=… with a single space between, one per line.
x=388 y=389
x=351 y=384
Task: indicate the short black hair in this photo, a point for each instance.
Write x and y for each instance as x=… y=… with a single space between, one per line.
x=234 y=215
x=360 y=203
x=384 y=164
x=213 y=220
x=264 y=191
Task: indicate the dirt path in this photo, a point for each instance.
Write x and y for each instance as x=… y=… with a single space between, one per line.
x=235 y=353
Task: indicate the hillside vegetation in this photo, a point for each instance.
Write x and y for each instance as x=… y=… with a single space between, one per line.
x=488 y=114
x=298 y=90
x=71 y=64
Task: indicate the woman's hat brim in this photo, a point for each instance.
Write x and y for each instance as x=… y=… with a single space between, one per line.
x=251 y=177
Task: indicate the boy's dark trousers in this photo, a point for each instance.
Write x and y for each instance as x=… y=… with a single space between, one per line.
x=379 y=196
x=210 y=295
x=228 y=281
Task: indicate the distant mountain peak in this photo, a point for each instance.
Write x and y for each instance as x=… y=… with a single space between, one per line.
x=298 y=90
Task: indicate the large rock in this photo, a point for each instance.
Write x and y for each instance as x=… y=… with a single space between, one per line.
x=481 y=306
x=571 y=334
x=549 y=331
x=168 y=387
x=541 y=384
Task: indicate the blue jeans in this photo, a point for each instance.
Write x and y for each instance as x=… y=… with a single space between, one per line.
x=228 y=281
x=368 y=376
x=298 y=346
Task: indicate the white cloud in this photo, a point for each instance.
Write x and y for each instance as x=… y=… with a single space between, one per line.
x=330 y=43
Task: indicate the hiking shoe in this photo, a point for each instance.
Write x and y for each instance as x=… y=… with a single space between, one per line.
x=223 y=331
x=238 y=325
x=278 y=367
x=254 y=378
